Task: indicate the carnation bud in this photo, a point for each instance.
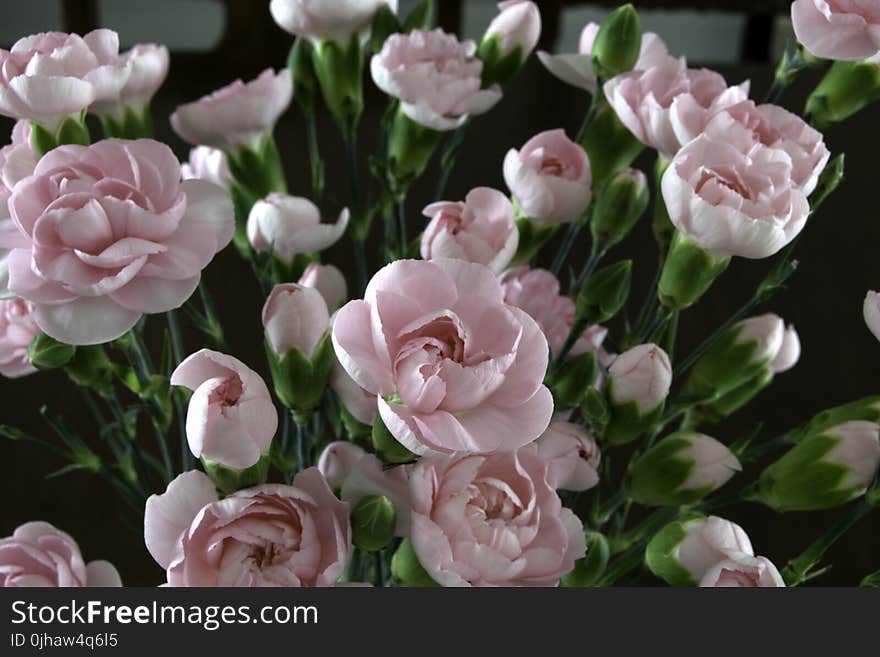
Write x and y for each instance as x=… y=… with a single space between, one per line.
x=372 y=523
x=789 y=353
x=736 y=358
x=864 y=410
x=617 y=44
x=620 y=203
x=229 y=480
x=823 y=470
x=91 y=368
x=577 y=375
x=46 y=353
x=302 y=71
x=298 y=345
x=681 y=469
x=687 y=273
x=612 y=147
x=337 y=461
x=588 y=570
x=387 y=446
x=871 y=311
x=638 y=384
x=684 y=550
x=509 y=40
x=847 y=88
x=406 y=569
x=604 y=294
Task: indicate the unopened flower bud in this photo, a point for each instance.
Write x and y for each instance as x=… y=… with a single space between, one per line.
x=681 y=469
x=509 y=40
x=823 y=470
x=230 y=480
x=638 y=384
x=46 y=353
x=604 y=294
x=683 y=551
x=618 y=42
x=372 y=523
x=739 y=356
x=871 y=311
x=298 y=344
x=407 y=570
x=619 y=204
x=612 y=147
x=572 y=456
x=337 y=460
x=789 y=353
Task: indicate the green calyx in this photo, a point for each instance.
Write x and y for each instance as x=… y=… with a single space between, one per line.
x=688 y=273
x=603 y=295
x=229 y=480
x=847 y=88
x=618 y=42
x=499 y=67
x=626 y=423
x=387 y=446
x=532 y=236
x=610 y=145
x=133 y=124
x=655 y=479
x=72 y=130
x=410 y=148
x=406 y=569
x=589 y=570
x=339 y=70
x=570 y=384
x=661 y=553
x=300 y=380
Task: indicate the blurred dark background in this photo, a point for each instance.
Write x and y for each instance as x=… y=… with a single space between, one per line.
x=214 y=42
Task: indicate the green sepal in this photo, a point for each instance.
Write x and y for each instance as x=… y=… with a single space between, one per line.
x=421 y=17
x=570 y=384
x=532 y=237
x=604 y=294
x=385 y=23
x=660 y=553
x=866 y=409
x=589 y=570
x=595 y=410
x=407 y=570
x=410 y=147
x=46 y=353
x=687 y=273
x=133 y=124
x=72 y=130
x=626 y=423
x=228 y=480
x=801 y=480
x=619 y=204
x=339 y=70
x=655 y=479
x=735 y=399
x=847 y=88
x=387 y=446
x=372 y=523
x=302 y=72
x=299 y=380
x=91 y=368
x=610 y=145
x=498 y=67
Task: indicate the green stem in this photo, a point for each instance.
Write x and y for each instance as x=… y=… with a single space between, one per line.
x=403 y=246
x=595 y=103
x=716 y=335
x=447 y=160
x=186 y=458
x=212 y=316
x=800 y=569
x=574 y=229
x=317 y=164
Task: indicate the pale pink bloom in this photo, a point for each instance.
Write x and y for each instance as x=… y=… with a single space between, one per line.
x=239 y=114
x=666 y=105
x=454 y=368
x=572 y=455
x=709 y=541
x=207 y=163
x=319 y=19
x=360 y=403
x=149 y=68
x=871 y=312
x=789 y=351
x=231 y=419
x=642 y=375
x=481 y=229
x=270 y=535
x=492 y=520
x=49 y=76
x=768 y=333
x=359 y=474
x=39 y=555
x=743 y=570
x=329 y=281
x=518 y=25
x=295 y=317
x=290 y=225
x=773 y=127
x=838 y=29
x=106 y=233
x=17 y=160
x=550 y=178
x=17 y=329
x=436 y=77
x=537 y=292
x=576 y=69
x=734 y=197
x=858 y=449
x=713 y=463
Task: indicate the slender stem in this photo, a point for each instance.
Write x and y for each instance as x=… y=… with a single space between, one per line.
x=595 y=103
x=672 y=335
x=758 y=452
x=447 y=160
x=360 y=262
x=212 y=316
x=317 y=164
x=799 y=569
x=403 y=245
x=650 y=301
x=589 y=267
x=186 y=458
x=360 y=256
x=574 y=229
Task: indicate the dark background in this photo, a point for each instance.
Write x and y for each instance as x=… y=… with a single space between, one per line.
x=838 y=256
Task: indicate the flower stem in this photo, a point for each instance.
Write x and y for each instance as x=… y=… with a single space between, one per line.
x=574 y=229
x=317 y=164
x=447 y=160
x=186 y=458
x=716 y=335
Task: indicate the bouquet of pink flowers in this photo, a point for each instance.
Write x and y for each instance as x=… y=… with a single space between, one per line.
x=447 y=419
